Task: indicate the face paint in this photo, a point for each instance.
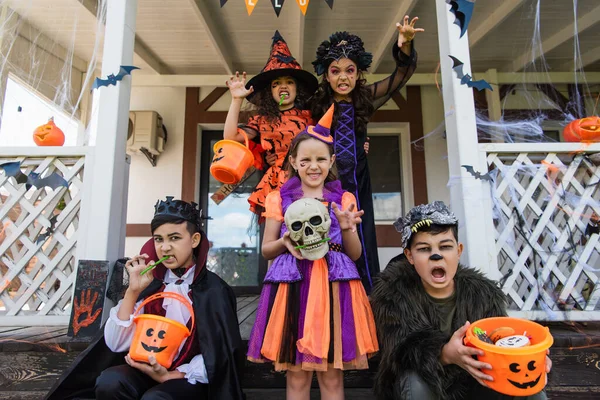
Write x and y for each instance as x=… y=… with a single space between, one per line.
x=436 y=257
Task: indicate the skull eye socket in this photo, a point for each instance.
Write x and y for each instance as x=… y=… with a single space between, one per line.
x=514 y=367
x=316 y=220
x=296 y=226
x=161 y=334
x=531 y=366
x=150 y=332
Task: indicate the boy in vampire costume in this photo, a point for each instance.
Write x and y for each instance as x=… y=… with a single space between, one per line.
x=208 y=363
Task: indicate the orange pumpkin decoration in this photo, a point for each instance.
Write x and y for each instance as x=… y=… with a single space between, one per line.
x=49 y=134
x=583 y=130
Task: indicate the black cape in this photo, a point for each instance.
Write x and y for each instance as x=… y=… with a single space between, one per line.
x=217 y=332
x=408 y=327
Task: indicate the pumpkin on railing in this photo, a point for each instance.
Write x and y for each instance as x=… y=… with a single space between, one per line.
x=49 y=134
x=583 y=130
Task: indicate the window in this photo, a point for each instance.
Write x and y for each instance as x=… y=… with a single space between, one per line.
x=24 y=110
x=386 y=180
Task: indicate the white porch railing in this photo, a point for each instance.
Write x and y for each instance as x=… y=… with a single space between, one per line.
x=37 y=276
x=543 y=210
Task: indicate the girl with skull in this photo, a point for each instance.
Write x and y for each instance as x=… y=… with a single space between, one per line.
x=282 y=89
x=341 y=61
x=313 y=314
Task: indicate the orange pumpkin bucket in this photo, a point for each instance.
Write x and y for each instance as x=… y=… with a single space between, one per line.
x=231 y=160
x=158 y=336
x=517 y=371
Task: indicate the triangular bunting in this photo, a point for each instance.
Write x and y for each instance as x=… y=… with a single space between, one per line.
x=277 y=6
x=250 y=4
x=329 y=3
x=303 y=4
x=223 y=2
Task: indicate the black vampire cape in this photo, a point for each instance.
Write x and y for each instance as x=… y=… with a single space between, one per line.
x=408 y=328
x=217 y=331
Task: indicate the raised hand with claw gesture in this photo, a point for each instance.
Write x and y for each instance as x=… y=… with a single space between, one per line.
x=407 y=31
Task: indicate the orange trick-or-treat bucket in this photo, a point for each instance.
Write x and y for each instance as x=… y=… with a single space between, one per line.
x=231 y=160
x=159 y=336
x=516 y=349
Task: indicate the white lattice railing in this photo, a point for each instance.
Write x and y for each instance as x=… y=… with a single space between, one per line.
x=37 y=275
x=544 y=205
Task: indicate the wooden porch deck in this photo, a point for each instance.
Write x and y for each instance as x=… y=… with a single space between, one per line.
x=32 y=358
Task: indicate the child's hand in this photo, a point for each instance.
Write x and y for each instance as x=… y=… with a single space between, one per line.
x=366 y=145
x=349 y=218
x=290 y=246
x=154 y=370
x=455 y=352
x=237 y=86
x=271 y=158
x=407 y=31
x=134 y=267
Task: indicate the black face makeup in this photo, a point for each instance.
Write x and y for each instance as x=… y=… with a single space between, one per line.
x=435 y=257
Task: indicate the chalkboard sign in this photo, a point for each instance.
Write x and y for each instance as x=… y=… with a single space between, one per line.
x=88 y=301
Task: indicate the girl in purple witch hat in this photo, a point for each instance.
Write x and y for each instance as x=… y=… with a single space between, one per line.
x=341 y=61
x=313 y=313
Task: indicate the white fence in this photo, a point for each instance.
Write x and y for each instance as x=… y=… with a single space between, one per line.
x=40 y=228
x=544 y=205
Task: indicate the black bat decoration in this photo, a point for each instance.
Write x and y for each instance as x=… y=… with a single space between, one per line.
x=466 y=79
x=463 y=11
x=52 y=181
x=49 y=231
x=112 y=79
x=478 y=175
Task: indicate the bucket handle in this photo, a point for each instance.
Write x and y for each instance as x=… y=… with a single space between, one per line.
x=245 y=135
x=171 y=295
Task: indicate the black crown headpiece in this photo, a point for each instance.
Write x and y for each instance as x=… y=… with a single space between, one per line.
x=342 y=45
x=179 y=209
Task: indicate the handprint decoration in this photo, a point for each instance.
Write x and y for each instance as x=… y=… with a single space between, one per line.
x=84 y=314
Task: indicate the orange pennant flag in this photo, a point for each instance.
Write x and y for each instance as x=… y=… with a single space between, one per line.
x=303 y=4
x=250 y=4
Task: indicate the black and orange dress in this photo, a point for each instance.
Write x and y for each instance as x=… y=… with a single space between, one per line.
x=275 y=137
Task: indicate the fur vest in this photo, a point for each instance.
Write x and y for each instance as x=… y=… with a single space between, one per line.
x=408 y=328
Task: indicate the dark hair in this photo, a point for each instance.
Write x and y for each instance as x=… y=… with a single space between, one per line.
x=266 y=105
x=362 y=100
x=160 y=220
x=293 y=152
x=435 y=229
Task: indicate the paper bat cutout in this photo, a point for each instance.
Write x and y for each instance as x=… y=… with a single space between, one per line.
x=112 y=79
x=463 y=11
x=52 y=181
x=478 y=175
x=49 y=231
x=466 y=79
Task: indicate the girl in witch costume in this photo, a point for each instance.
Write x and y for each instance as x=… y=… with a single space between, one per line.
x=207 y=363
x=341 y=61
x=279 y=93
x=313 y=315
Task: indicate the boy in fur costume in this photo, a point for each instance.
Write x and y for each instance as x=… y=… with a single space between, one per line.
x=423 y=303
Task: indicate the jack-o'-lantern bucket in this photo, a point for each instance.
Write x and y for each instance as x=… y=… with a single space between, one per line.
x=231 y=160
x=516 y=349
x=159 y=336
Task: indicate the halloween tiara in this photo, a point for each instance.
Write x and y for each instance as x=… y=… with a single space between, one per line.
x=436 y=213
x=178 y=209
x=342 y=45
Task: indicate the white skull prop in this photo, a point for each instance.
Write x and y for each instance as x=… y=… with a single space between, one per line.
x=308 y=222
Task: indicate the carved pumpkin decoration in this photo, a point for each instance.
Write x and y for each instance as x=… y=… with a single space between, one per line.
x=154 y=341
x=49 y=134
x=583 y=130
x=159 y=336
x=518 y=370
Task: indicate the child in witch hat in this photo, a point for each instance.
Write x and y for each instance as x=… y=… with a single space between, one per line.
x=313 y=316
x=279 y=94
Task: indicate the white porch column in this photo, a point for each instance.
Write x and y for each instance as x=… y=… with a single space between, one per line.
x=461 y=132
x=105 y=202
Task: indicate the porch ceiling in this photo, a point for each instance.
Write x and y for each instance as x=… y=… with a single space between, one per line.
x=200 y=37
